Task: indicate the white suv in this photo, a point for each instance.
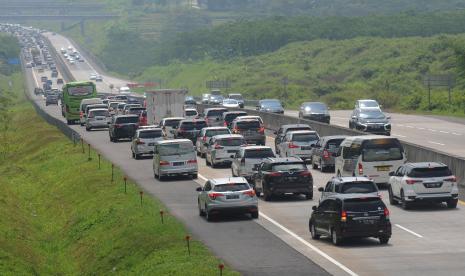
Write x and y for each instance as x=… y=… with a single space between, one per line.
x=427 y=181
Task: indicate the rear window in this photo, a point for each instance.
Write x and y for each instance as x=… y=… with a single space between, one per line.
x=172 y=123
x=305 y=137
x=230 y=117
x=100 y=113
x=150 y=134
x=211 y=133
x=357 y=187
x=382 y=150
x=127 y=120
x=231 y=187
x=231 y=142
x=248 y=124
x=289 y=167
x=215 y=113
x=175 y=149
x=298 y=128
x=191 y=113
x=333 y=145
x=259 y=153
x=193 y=125
x=430 y=172
x=363 y=204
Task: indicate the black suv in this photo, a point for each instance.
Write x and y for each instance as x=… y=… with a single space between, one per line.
x=350 y=216
x=189 y=129
x=281 y=133
x=278 y=176
x=228 y=117
x=123 y=127
x=370 y=120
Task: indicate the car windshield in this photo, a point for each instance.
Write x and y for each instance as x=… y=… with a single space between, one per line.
x=127 y=120
x=191 y=113
x=369 y=104
x=231 y=116
x=147 y=134
x=213 y=132
x=382 y=150
x=430 y=172
x=231 y=142
x=193 y=125
x=121 y=105
x=289 y=167
x=357 y=187
x=175 y=149
x=259 y=153
x=172 y=123
x=372 y=114
x=216 y=97
x=333 y=145
x=363 y=204
x=317 y=107
x=271 y=103
x=99 y=113
x=136 y=111
x=215 y=113
x=235 y=97
x=305 y=137
x=80 y=90
x=189 y=98
x=229 y=101
x=231 y=187
x=248 y=124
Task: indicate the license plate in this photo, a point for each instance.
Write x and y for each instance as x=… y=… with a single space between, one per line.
x=99 y=119
x=232 y=197
x=383 y=169
x=232 y=151
x=178 y=163
x=151 y=144
x=433 y=185
x=306 y=148
x=292 y=178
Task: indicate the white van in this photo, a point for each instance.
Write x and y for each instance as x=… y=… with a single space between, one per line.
x=84 y=104
x=125 y=90
x=371 y=156
x=174 y=157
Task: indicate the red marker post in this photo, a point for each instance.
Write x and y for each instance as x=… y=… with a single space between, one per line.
x=188 y=238
x=221 y=267
x=82 y=145
x=89 y=158
x=141 y=193
x=112 y=173
x=161 y=216
x=125 y=184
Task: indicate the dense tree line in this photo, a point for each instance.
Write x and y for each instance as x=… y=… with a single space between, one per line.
x=9 y=48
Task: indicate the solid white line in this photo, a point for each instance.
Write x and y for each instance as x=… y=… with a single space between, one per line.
x=442 y=131
x=431 y=130
x=409 y=126
x=458 y=134
x=408 y=230
x=421 y=128
x=398 y=135
x=436 y=143
x=306 y=243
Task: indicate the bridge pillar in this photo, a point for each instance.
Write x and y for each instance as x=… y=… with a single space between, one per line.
x=82 y=25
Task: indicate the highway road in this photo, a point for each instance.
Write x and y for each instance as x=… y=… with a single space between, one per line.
x=426 y=240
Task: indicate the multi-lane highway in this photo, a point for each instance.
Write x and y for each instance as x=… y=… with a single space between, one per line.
x=426 y=240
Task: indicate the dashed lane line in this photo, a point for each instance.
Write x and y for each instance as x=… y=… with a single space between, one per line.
x=408 y=230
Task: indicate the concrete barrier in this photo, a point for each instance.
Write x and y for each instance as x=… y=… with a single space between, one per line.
x=415 y=153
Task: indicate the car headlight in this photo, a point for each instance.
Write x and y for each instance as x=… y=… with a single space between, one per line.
x=307 y=109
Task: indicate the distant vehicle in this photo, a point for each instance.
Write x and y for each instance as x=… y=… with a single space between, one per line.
x=371 y=156
x=190 y=113
x=190 y=101
x=165 y=103
x=71 y=61
x=43 y=79
x=99 y=78
x=252 y=130
x=228 y=117
x=298 y=143
x=315 y=111
x=123 y=89
x=205 y=98
x=73 y=94
x=128 y=106
x=174 y=157
x=189 y=129
x=51 y=98
x=120 y=108
x=93 y=76
x=280 y=176
x=214 y=116
x=350 y=216
x=238 y=97
x=323 y=151
x=28 y=65
x=281 y=133
x=203 y=139
x=63 y=50
x=348 y=185
x=215 y=99
x=423 y=182
x=60 y=81
x=123 y=127
x=38 y=91
x=169 y=125
x=215 y=92
x=367 y=104
x=88 y=104
x=143 y=142
x=143 y=118
x=222 y=148
x=370 y=120
x=270 y=105
x=54 y=74
x=230 y=103
x=135 y=110
x=229 y=195
x=245 y=160
x=97 y=118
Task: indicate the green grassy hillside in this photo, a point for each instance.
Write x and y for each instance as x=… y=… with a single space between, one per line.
x=61 y=215
x=337 y=72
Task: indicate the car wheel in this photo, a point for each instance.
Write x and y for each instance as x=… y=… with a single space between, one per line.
x=232 y=172
x=383 y=240
x=322 y=167
x=136 y=156
x=208 y=215
x=195 y=176
x=392 y=201
x=257 y=193
x=404 y=203
x=207 y=162
x=338 y=173
x=313 y=232
x=314 y=166
x=452 y=203
x=160 y=177
x=266 y=195
x=254 y=215
x=212 y=163
x=201 y=212
x=309 y=196
x=335 y=237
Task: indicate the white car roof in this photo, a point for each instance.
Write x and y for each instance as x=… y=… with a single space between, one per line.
x=227 y=180
x=228 y=136
x=174 y=141
x=174 y=118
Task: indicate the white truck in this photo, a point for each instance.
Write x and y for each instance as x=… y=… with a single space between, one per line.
x=164 y=103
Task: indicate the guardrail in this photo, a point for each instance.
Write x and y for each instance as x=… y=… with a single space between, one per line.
x=415 y=153
x=60 y=63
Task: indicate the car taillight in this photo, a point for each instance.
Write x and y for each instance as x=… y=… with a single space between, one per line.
x=305 y=173
x=412 y=181
x=213 y=196
x=343 y=216
x=81 y=114
x=139 y=142
x=204 y=139
x=360 y=169
x=118 y=126
x=193 y=161
x=250 y=193
x=225 y=124
x=451 y=179
x=262 y=130
x=276 y=174
x=235 y=130
x=386 y=212
x=292 y=146
x=218 y=146
x=164 y=163
x=325 y=154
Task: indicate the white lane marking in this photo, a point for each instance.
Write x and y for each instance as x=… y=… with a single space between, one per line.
x=398 y=135
x=409 y=126
x=436 y=143
x=309 y=245
x=442 y=131
x=421 y=128
x=408 y=230
x=202 y=177
x=342 y=118
x=455 y=133
x=433 y=130
x=401 y=125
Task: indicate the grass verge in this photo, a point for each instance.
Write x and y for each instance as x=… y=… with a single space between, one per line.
x=61 y=215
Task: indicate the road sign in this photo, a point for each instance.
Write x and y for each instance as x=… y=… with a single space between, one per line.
x=13 y=61
x=444 y=80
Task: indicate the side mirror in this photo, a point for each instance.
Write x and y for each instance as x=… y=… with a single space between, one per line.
x=199 y=189
x=388 y=117
x=354 y=117
x=314 y=208
x=313 y=145
x=275 y=132
x=391 y=173
x=321 y=189
x=256 y=167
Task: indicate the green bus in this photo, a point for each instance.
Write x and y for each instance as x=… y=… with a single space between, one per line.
x=73 y=94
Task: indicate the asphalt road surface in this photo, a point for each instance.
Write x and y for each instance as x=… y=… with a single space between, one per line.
x=426 y=240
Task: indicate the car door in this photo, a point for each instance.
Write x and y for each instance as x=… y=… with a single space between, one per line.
x=236 y=162
x=327 y=191
x=321 y=219
x=204 y=195
x=199 y=141
x=316 y=152
x=156 y=158
x=396 y=181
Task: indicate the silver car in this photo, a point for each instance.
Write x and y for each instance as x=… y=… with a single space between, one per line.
x=169 y=124
x=222 y=149
x=205 y=135
x=298 y=144
x=144 y=141
x=227 y=195
x=214 y=116
x=174 y=157
x=245 y=160
x=97 y=118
